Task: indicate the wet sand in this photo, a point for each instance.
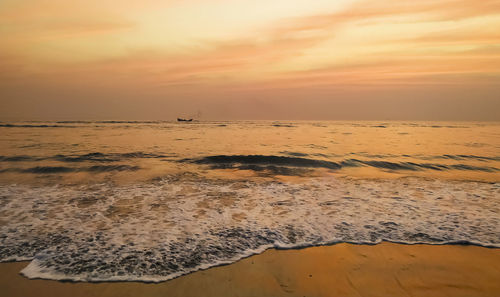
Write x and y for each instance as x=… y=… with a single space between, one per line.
x=385 y=269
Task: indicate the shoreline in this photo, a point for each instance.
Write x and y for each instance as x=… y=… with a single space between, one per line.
x=384 y=269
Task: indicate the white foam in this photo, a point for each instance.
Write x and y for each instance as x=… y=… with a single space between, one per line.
x=157 y=231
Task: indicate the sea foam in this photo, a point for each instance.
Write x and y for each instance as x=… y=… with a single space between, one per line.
x=178 y=224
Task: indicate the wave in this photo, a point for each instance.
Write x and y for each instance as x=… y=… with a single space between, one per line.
x=74 y=122
x=90 y=157
x=179 y=224
x=267 y=170
x=284 y=125
x=294 y=154
x=228 y=161
x=108 y=157
x=295 y=164
x=415 y=166
x=63 y=169
x=114 y=157
x=108 y=122
x=465 y=157
x=286 y=164
x=22 y=158
x=70 y=124
x=35 y=126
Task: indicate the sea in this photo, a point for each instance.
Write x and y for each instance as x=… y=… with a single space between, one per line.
x=153 y=200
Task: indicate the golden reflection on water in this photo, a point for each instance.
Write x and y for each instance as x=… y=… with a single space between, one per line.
x=396 y=142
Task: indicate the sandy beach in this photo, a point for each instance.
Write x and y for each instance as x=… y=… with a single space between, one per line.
x=386 y=269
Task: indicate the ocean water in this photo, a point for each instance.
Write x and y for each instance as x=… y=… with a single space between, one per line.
x=150 y=201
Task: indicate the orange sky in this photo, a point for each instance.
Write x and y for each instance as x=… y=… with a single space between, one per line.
x=242 y=59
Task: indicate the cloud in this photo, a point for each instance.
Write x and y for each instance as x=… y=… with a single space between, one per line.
x=424 y=10
x=273 y=56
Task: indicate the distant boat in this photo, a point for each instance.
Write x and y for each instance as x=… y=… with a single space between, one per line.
x=184 y=120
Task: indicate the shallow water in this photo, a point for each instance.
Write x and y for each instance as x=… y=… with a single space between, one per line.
x=96 y=201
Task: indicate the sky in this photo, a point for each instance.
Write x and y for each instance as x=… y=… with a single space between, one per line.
x=250 y=59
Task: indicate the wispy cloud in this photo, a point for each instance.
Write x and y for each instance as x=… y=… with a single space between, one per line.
x=375 y=44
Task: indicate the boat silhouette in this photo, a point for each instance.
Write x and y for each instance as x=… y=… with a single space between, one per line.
x=184 y=120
